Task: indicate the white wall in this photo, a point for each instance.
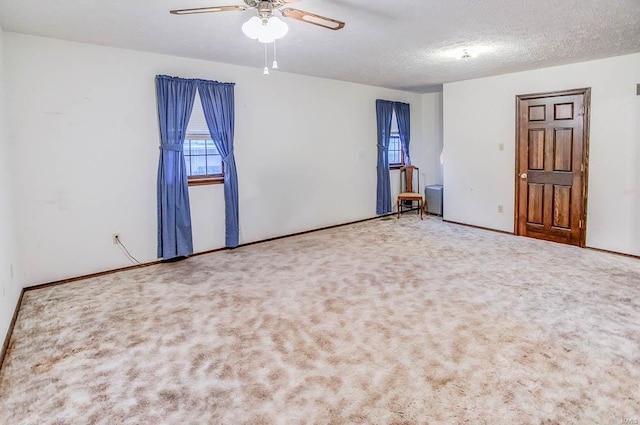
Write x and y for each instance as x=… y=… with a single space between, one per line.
x=432 y=124
x=9 y=285
x=86 y=143
x=480 y=114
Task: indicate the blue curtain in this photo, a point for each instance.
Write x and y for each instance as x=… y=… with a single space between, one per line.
x=384 y=113
x=218 y=105
x=403 y=117
x=175 y=101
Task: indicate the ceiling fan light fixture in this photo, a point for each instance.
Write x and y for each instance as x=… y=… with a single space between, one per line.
x=265 y=30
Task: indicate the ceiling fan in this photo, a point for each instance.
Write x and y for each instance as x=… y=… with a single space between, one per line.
x=266 y=10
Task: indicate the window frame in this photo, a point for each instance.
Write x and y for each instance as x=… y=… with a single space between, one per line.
x=396 y=165
x=204 y=179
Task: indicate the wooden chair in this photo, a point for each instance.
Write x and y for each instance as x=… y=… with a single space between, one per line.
x=408 y=193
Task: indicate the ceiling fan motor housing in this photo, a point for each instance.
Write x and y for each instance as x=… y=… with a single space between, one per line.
x=259 y=4
x=265 y=9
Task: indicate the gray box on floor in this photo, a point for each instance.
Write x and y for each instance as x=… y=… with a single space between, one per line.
x=433 y=199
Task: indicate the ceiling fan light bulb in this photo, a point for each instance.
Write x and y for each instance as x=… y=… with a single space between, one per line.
x=275 y=65
x=252 y=28
x=277 y=27
x=265 y=71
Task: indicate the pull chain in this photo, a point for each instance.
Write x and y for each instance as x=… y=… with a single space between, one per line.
x=275 y=60
x=266 y=68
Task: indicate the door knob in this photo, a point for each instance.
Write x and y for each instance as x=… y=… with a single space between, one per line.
x=523 y=176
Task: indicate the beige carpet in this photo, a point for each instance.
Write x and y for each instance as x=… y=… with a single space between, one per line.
x=383 y=322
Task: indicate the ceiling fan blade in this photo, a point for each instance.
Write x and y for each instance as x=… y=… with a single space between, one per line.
x=207 y=10
x=312 y=18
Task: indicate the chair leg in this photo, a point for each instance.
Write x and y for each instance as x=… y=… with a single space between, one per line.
x=398 y=207
x=420 y=207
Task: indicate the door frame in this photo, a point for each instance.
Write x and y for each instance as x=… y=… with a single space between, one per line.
x=585 y=153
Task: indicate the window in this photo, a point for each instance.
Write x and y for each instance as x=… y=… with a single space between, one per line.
x=396 y=154
x=202 y=159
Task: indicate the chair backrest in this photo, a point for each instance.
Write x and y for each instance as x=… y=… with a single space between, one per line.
x=407 y=179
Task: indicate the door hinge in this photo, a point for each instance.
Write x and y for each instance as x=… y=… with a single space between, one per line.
x=580 y=224
x=582 y=110
x=582 y=168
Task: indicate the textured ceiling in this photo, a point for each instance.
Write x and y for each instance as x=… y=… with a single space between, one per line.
x=401 y=44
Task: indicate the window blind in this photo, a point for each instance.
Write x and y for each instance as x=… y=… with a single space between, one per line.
x=197 y=127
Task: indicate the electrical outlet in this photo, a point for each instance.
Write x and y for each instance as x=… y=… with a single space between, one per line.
x=500 y=209
x=116 y=238
x=500 y=146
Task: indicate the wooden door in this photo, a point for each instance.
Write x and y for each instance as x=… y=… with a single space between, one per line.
x=551 y=165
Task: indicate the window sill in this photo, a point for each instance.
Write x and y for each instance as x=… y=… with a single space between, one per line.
x=205 y=181
x=396 y=166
